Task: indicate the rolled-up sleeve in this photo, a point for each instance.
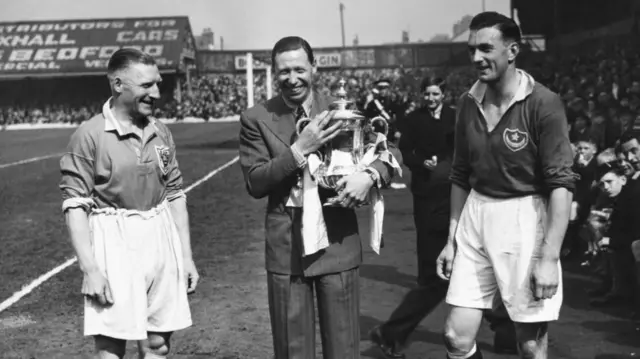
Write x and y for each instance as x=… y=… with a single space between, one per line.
x=460 y=168
x=554 y=147
x=77 y=169
x=174 y=181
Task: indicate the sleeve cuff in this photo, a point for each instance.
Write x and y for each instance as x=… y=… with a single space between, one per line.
x=375 y=175
x=175 y=195
x=78 y=202
x=301 y=160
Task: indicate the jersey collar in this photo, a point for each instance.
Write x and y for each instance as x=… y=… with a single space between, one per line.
x=527 y=84
x=111 y=124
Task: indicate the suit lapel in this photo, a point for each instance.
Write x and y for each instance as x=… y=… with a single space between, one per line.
x=282 y=122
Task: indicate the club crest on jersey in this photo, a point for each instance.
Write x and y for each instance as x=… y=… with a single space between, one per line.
x=164 y=155
x=515 y=139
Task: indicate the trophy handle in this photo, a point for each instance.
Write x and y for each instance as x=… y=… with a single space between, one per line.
x=301 y=123
x=385 y=125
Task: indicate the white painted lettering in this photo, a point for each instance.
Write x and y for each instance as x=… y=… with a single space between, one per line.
x=107 y=51
x=21 y=55
x=44 y=55
x=67 y=53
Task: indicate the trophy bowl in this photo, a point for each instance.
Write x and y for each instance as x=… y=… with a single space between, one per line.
x=342 y=155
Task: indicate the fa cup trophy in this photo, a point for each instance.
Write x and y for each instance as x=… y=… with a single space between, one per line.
x=345 y=154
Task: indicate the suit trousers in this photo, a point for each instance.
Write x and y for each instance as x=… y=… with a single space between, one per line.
x=431 y=289
x=292 y=312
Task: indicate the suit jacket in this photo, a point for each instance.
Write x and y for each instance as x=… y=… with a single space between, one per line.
x=270 y=170
x=423 y=138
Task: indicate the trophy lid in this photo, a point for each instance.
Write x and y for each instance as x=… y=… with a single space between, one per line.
x=341 y=94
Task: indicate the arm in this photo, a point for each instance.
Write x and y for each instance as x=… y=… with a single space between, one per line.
x=460 y=172
x=556 y=160
x=262 y=174
x=180 y=215
x=77 y=223
x=77 y=169
x=178 y=200
x=458 y=199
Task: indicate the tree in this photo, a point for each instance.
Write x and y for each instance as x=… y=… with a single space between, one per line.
x=461 y=25
x=440 y=38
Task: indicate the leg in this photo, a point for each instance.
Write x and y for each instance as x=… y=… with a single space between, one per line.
x=157 y=346
x=504 y=339
x=460 y=331
x=339 y=312
x=532 y=340
x=472 y=286
x=513 y=250
x=109 y=348
x=635 y=249
x=420 y=301
x=292 y=316
x=117 y=257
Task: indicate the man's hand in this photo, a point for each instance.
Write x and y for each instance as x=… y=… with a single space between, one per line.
x=96 y=286
x=604 y=242
x=444 y=263
x=353 y=189
x=432 y=163
x=314 y=135
x=582 y=160
x=191 y=274
x=545 y=278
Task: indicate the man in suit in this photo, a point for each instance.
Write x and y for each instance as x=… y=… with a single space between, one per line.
x=427 y=149
x=272 y=158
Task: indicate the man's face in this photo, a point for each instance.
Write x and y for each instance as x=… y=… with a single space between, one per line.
x=139 y=88
x=490 y=53
x=631 y=151
x=383 y=90
x=612 y=184
x=294 y=74
x=433 y=97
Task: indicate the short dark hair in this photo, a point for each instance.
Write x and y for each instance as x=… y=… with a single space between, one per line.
x=291 y=43
x=507 y=26
x=628 y=136
x=433 y=81
x=125 y=57
x=613 y=166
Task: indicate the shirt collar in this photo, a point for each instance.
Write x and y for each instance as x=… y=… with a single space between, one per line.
x=527 y=84
x=111 y=124
x=306 y=105
x=438 y=111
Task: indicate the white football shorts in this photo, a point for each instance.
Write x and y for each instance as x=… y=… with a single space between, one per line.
x=497 y=242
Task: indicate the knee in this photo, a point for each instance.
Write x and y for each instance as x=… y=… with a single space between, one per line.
x=528 y=349
x=108 y=347
x=635 y=249
x=456 y=342
x=155 y=347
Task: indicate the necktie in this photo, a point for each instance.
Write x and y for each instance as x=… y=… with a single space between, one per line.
x=299 y=113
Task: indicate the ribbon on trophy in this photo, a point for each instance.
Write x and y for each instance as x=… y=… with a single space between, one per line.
x=314 y=230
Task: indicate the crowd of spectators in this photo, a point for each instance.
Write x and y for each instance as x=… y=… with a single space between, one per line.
x=211 y=96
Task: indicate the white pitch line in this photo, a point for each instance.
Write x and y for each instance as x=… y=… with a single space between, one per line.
x=43 y=278
x=28 y=160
